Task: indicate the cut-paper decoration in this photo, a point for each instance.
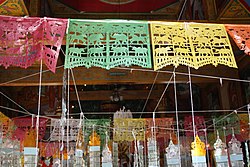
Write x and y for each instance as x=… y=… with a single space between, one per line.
x=190 y=44
x=107 y=44
x=26 y=40
x=162 y=126
x=6 y=124
x=56 y=130
x=224 y=125
x=24 y=125
x=199 y=125
x=100 y=126
x=127 y=129
x=241 y=36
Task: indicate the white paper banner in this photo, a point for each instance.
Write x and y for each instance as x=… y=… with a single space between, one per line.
x=56 y=130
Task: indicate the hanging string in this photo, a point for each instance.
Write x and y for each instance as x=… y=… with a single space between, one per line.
x=144 y=148
x=38 y=110
x=64 y=110
x=77 y=95
x=163 y=93
x=26 y=111
x=207 y=151
x=154 y=136
x=27 y=76
x=68 y=120
x=233 y=112
x=136 y=161
x=151 y=89
x=191 y=100
x=248 y=110
x=177 y=118
x=185 y=74
x=183 y=6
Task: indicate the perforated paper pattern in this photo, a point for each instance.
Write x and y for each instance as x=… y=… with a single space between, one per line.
x=200 y=125
x=25 y=40
x=56 y=130
x=162 y=126
x=100 y=126
x=107 y=44
x=125 y=127
x=240 y=35
x=190 y=44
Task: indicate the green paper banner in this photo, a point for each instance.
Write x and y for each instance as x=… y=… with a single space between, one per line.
x=107 y=44
x=100 y=126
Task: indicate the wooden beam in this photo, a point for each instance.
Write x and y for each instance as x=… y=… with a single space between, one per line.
x=104 y=95
x=97 y=76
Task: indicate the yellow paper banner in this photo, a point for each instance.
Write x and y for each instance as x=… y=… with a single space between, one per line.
x=190 y=44
x=6 y=124
x=127 y=129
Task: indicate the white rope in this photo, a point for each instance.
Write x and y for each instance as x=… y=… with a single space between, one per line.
x=38 y=110
x=183 y=6
x=185 y=74
x=177 y=119
x=163 y=93
x=151 y=89
x=68 y=119
x=191 y=100
x=27 y=76
x=77 y=95
x=64 y=110
x=207 y=152
x=26 y=111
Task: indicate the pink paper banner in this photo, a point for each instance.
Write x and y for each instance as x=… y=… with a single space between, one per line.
x=24 y=124
x=199 y=125
x=26 y=40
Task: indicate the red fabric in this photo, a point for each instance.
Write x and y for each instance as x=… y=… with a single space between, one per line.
x=135 y=6
x=26 y=40
x=24 y=124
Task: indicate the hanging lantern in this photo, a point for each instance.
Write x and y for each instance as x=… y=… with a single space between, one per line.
x=220 y=152
x=198 y=153
x=236 y=155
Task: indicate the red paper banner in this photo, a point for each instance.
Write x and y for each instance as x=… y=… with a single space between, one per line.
x=199 y=125
x=26 y=40
x=25 y=124
x=162 y=126
x=240 y=35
